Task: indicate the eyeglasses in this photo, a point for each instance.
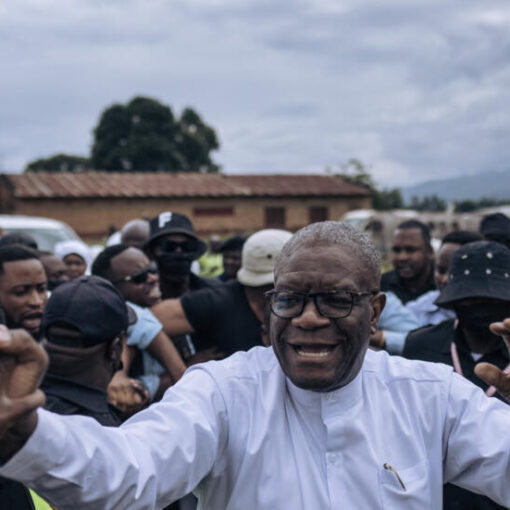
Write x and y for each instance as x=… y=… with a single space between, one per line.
x=168 y=246
x=140 y=276
x=333 y=304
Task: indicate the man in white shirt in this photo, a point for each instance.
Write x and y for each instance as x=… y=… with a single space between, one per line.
x=316 y=422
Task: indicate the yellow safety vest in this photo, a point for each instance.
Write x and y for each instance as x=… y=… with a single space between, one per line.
x=39 y=502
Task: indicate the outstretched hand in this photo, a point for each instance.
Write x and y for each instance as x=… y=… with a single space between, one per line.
x=23 y=363
x=491 y=374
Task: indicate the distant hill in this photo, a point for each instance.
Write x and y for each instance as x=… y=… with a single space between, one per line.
x=489 y=184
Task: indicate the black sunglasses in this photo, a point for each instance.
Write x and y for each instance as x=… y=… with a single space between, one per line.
x=334 y=304
x=140 y=276
x=168 y=246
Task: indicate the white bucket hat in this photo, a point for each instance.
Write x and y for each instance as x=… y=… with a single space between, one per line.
x=259 y=255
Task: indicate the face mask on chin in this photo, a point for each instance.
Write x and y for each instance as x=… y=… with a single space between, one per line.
x=174 y=264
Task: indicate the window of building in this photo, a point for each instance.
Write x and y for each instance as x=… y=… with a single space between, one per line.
x=318 y=214
x=213 y=211
x=275 y=217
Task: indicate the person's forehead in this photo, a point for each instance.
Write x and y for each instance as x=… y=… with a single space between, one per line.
x=446 y=250
x=411 y=236
x=322 y=266
x=22 y=269
x=74 y=257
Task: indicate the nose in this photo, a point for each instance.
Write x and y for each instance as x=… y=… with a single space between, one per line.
x=310 y=318
x=152 y=277
x=37 y=299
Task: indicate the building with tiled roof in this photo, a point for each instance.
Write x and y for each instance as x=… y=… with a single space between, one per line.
x=216 y=203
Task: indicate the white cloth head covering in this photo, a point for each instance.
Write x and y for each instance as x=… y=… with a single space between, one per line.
x=65 y=248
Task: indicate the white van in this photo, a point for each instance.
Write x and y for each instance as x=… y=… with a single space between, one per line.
x=45 y=231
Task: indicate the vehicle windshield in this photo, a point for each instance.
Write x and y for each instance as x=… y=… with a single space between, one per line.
x=46 y=237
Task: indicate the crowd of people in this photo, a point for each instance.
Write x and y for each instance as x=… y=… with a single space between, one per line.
x=307 y=342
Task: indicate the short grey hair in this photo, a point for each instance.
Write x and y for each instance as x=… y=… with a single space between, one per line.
x=335 y=233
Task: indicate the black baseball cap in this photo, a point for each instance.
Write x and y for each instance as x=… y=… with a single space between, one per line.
x=173 y=223
x=495 y=226
x=90 y=304
x=234 y=243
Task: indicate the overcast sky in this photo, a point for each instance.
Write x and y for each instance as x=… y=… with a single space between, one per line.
x=415 y=89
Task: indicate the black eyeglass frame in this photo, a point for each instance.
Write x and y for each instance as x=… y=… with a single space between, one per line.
x=316 y=300
x=138 y=277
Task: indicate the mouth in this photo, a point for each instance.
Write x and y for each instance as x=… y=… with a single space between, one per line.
x=313 y=352
x=32 y=322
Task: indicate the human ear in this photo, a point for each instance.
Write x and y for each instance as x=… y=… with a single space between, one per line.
x=114 y=352
x=376 y=308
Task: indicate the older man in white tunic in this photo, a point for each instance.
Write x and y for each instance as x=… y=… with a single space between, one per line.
x=315 y=422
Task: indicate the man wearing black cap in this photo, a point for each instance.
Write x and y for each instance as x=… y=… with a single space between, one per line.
x=84 y=324
x=496 y=227
x=478 y=291
x=174 y=245
x=231 y=250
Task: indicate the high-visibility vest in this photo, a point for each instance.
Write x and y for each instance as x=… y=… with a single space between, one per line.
x=39 y=502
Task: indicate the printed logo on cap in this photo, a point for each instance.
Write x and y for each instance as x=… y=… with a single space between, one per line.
x=164 y=218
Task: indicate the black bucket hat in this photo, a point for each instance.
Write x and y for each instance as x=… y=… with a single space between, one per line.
x=480 y=269
x=173 y=223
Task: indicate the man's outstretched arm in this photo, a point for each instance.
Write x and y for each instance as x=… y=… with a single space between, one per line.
x=154 y=458
x=23 y=363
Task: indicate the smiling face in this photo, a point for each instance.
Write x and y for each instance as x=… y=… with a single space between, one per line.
x=411 y=255
x=23 y=294
x=75 y=266
x=316 y=352
x=128 y=263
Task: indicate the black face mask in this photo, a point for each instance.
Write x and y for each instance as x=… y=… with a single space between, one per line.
x=174 y=264
x=478 y=317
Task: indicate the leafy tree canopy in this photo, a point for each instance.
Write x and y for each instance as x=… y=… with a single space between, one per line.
x=143 y=136
x=59 y=163
x=357 y=172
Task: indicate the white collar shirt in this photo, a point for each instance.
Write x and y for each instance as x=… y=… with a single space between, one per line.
x=244 y=437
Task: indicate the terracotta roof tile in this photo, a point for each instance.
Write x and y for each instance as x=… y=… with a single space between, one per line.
x=162 y=185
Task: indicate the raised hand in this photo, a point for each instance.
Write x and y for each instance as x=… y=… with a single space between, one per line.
x=23 y=363
x=491 y=374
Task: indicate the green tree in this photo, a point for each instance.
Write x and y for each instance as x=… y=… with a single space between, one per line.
x=387 y=199
x=59 y=163
x=357 y=172
x=144 y=135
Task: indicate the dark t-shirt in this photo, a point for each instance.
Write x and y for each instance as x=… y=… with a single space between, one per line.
x=433 y=343
x=222 y=317
x=64 y=396
x=391 y=281
x=186 y=345
x=14 y=496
